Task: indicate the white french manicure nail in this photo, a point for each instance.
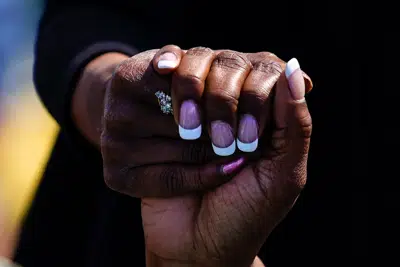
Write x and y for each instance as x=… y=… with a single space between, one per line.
x=189 y=120
x=247 y=147
x=295 y=80
x=222 y=138
x=225 y=151
x=247 y=138
x=167 y=64
x=190 y=134
x=291 y=67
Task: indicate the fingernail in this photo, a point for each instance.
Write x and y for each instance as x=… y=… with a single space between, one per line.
x=223 y=141
x=247 y=140
x=167 y=60
x=232 y=167
x=295 y=79
x=189 y=121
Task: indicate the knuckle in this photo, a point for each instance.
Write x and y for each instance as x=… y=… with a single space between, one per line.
x=268 y=54
x=305 y=122
x=199 y=51
x=168 y=48
x=265 y=55
x=123 y=71
x=232 y=60
x=131 y=71
x=268 y=66
x=121 y=79
x=261 y=56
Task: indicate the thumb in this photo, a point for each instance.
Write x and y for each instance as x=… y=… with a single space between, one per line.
x=291 y=136
x=167 y=59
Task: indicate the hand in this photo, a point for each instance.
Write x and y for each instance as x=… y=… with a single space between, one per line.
x=144 y=151
x=228 y=225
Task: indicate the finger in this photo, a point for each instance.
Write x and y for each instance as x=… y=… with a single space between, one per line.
x=253 y=103
x=167 y=59
x=255 y=57
x=136 y=79
x=292 y=118
x=223 y=85
x=127 y=119
x=187 y=89
x=166 y=180
x=136 y=152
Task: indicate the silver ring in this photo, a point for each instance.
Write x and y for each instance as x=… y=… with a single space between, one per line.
x=165 y=102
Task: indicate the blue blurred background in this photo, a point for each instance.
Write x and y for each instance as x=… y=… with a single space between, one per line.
x=27 y=132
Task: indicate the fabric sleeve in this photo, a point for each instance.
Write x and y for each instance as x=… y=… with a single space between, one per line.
x=68 y=38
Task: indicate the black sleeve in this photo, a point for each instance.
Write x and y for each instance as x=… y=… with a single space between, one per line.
x=68 y=38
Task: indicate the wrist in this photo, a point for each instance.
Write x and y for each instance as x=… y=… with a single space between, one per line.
x=153 y=260
x=88 y=97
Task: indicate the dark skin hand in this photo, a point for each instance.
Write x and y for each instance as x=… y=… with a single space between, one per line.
x=227 y=226
x=142 y=148
x=145 y=156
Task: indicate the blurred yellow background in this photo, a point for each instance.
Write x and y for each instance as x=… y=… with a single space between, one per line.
x=27 y=135
x=27 y=132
